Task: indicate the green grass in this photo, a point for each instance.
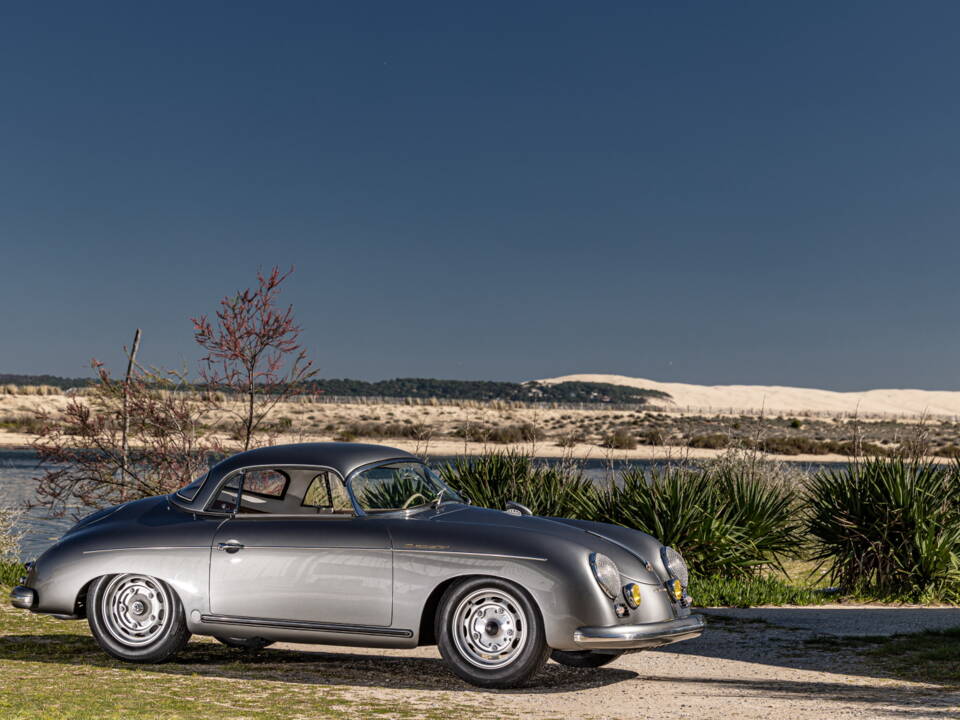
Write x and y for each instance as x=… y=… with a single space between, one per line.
x=932 y=656
x=53 y=670
x=10 y=572
x=716 y=591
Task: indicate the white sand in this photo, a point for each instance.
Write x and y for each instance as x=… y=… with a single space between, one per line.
x=779 y=399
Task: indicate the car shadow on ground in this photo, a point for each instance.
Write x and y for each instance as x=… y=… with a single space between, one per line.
x=346 y=668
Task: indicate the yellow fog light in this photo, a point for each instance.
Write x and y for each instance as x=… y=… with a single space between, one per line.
x=632 y=594
x=676 y=589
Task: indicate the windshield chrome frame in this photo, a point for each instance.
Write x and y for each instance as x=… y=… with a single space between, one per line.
x=453 y=494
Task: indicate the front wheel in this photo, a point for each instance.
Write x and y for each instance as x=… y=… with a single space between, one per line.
x=583 y=658
x=490 y=633
x=136 y=618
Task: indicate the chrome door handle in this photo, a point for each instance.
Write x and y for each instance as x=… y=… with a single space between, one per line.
x=230 y=547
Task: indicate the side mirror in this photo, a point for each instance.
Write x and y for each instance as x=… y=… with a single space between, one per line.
x=515 y=508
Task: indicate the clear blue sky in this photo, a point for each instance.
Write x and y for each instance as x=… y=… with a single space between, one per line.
x=715 y=192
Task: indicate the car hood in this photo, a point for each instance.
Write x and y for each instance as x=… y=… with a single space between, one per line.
x=614 y=540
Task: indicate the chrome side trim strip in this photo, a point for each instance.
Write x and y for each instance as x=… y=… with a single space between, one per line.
x=306 y=625
x=315 y=547
x=469 y=554
x=153 y=547
x=330 y=547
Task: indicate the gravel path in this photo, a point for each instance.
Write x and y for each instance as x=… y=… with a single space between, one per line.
x=749 y=664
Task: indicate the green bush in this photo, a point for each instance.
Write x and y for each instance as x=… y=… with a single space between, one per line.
x=712 y=441
x=652 y=437
x=494 y=479
x=888 y=528
x=620 y=439
x=412 y=431
x=507 y=434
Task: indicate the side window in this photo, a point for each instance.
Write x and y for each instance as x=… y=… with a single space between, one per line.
x=263 y=492
x=227 y=498
x=327 y=494
x=266 y=483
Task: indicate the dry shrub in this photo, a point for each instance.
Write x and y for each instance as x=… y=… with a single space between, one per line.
x=9 y=534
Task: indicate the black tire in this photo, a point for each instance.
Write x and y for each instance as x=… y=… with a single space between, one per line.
x=519 y=638
x=584 y=658
x=118 y=631
x=251 y=643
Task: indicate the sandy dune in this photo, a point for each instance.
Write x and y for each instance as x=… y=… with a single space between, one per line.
x=776 y=398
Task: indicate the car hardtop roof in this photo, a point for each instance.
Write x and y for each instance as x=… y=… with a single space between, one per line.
x=343 y=457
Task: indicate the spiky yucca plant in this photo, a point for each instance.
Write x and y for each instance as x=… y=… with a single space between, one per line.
x=725 y=521
x=403 y=488
x=494 y=479
x=888 y=527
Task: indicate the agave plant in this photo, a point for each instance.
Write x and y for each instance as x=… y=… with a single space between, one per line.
x=494 y=479
x=725 y=522
x=888 y=527
x=395 y=493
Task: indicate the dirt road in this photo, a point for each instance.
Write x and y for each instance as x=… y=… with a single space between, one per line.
x=750 y=664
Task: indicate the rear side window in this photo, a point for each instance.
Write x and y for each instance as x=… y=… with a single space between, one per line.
x=265 y=483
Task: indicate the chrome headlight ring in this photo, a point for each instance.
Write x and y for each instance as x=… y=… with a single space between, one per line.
x=674 y=563
x=606 y=573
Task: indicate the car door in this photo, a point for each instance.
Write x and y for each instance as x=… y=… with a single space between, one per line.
x=332 y=568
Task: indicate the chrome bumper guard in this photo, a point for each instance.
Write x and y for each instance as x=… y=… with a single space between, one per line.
x=635 y=637
x=23 y=597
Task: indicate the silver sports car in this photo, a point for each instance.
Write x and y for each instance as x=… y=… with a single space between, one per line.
x=350 y=544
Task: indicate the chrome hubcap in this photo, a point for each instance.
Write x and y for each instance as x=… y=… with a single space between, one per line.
x=135 y=609
x=489 y=628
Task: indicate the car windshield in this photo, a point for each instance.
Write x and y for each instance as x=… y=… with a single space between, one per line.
x=398 y=486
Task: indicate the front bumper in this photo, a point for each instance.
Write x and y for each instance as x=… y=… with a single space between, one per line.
x=635 y=637
x=23 y=597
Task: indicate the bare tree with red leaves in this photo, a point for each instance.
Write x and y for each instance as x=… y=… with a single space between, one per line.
x=254 y=351
x=127 y=439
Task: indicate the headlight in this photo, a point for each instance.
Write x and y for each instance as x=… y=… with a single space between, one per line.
x=675 y=564
x=632 y=595
x=606 y=573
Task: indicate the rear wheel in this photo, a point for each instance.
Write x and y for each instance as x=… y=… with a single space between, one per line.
x=252 y=643
x=584 y=658
x=136 y=618
x=490 y=633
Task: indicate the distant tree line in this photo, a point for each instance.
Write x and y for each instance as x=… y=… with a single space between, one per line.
x=52 y=380
x=568 y=392
x=565 y=392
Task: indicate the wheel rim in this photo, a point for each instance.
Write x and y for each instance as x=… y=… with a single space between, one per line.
x=489 y=628
x=136 y=609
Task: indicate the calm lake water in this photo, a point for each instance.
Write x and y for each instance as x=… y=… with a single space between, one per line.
x=18 y=468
